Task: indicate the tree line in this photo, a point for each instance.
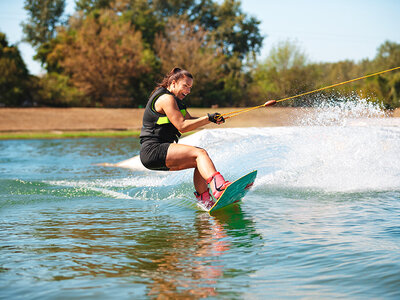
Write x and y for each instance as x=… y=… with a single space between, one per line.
x=110 y=53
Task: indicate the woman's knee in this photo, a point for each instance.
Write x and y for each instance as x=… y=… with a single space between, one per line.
x=201 y=153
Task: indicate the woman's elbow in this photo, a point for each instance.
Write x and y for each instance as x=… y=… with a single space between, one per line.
x=183 y=129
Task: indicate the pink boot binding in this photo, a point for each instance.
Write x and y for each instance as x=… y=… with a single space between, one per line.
x=205 y=199
x=217 y=184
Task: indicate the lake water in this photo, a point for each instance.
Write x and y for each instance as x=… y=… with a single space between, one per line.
x=322 y=220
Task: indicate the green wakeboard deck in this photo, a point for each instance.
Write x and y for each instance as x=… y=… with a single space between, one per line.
x=235 y=191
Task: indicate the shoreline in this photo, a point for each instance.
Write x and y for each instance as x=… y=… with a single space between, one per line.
x=53 y=123
x=27 y=135
x=33 y=123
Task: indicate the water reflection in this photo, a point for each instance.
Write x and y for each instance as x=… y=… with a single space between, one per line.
x=189 y=266
x=173 y=258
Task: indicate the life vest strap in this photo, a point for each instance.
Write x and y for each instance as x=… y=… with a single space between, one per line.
x=165 y=120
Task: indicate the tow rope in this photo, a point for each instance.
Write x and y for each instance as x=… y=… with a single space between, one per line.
x=272 y=102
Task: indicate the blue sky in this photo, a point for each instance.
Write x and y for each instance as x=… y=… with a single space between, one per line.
x=326 y=30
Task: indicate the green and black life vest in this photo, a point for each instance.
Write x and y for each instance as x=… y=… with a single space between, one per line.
x=157 y=126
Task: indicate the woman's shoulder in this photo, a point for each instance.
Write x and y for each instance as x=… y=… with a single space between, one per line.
x=166 y=99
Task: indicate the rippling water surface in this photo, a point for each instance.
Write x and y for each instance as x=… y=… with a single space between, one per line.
x=322 y=221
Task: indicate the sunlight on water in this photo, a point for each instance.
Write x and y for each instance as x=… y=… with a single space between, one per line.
x=322 y=220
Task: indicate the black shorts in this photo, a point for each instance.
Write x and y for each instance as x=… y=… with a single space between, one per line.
x=153 y=155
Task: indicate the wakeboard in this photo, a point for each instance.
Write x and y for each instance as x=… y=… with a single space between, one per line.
x=234 y=192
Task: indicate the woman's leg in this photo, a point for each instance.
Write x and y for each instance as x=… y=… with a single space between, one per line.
x=180 y=157
x=199 y=182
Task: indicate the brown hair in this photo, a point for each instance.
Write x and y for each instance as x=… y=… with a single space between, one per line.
x=174 y=74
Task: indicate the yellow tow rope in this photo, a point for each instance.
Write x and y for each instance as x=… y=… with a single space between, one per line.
x=272 y=102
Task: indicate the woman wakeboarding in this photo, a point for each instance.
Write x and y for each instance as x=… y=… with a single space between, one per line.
x=165 y=118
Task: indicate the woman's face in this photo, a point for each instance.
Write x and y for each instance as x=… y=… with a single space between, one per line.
x=182 y=87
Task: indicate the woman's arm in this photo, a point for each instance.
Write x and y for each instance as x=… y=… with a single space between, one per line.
x=166 y=104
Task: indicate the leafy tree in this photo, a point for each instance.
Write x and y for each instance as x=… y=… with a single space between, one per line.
x=88 y=6
x=186 y=45
x=56 y=90
x=142 y=16
x=332 y=73
x=235 y=84
x=224 y=24
x=232 y=29
x=40 y=29
x=14 y=76
x=103 y=56
x=284 y=73
x=239 y=33
x=44 y=17
x=388 y=56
